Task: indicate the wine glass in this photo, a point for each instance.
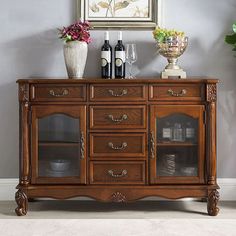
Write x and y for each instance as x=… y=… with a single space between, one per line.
x=131 y=57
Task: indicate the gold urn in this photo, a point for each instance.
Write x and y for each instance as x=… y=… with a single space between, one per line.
x=172 y=48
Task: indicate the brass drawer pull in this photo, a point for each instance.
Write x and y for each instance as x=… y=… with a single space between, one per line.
x=124 y=117
x=122 y=147
x=124 y=92
x=152 y=148
x=175 y=94
x=82 y=145
x=65 y=92
x=122 y=174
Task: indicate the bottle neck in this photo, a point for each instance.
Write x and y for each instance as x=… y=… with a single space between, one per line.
x=106 y=41
x=120 y=41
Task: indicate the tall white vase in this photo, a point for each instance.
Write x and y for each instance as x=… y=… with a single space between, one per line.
x=75 y=54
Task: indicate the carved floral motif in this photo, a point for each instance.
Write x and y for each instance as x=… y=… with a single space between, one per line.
x=118 y=197
x=211 y=92
x=22 y=202
x=213 y=199
x=24 y=92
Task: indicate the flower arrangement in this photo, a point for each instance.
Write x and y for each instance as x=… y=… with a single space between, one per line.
x=79 y=31
x=231 y=39
x=161 y=34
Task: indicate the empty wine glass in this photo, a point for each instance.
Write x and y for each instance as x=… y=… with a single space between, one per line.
x=131 y=57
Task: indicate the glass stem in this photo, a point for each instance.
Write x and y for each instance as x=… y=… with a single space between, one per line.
x=130 y=71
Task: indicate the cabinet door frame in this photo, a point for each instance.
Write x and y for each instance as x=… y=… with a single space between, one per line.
x=195 y=111
x=74 y=111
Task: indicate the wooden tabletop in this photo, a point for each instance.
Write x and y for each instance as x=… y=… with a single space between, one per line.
x=47 y=80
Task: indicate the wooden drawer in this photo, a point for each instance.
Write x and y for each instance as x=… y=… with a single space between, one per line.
x=117 y=145
x=177 y=92
x=118 y=117
x=60 y=92
x=117 y=172
x=117 y=92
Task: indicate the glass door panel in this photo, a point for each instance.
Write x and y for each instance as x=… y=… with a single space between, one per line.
x=177 y=129
x=58 y=161
x=177 y=161
x=59 y=144
x=177 y=145
x=178 y=134
x=58 y=152
x=59 y=128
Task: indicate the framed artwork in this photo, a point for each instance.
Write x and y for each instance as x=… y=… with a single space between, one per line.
x=120 y=13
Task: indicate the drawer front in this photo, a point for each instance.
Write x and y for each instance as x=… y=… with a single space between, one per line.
x=117 y=145
x=177 y=92
x=117 y=92
x=115 y=172
x=41 y=92
x=118 y=117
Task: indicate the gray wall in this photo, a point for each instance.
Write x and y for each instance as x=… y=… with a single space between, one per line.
x=29 y=47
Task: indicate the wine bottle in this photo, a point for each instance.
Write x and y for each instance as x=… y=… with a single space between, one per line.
x=106 y=58
x=120 y=58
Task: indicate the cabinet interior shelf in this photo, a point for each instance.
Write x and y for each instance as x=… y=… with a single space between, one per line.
x=176 y=144
x=64 y=144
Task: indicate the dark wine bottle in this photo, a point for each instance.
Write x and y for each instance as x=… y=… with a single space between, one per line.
x=106 y=58
x=120 y=58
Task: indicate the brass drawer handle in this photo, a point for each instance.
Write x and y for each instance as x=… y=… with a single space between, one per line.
x=152 y=148
x=122 y=147
x=82 y=145
x=124 y=117
x=122 y=174
x=64 y=93
x=175 y=94
x=124 y=92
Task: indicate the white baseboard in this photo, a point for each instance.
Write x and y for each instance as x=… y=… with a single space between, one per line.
x=8 y=189
x=227 y=189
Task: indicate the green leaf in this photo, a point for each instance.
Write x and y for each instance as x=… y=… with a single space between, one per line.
x=121 y=5
x=103 y=4
x=160 y=37
x=230 y=39
x=234 y=27
x=94 y=8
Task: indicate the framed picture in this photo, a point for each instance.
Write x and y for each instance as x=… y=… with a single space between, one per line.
x=120 y=13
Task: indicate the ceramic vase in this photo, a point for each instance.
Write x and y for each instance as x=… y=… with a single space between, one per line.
x=75 y=54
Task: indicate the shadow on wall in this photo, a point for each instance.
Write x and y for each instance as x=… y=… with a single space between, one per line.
x=222 y=64
x=36 y=55
x=146 y=65
x=147 y=59
x=9 y=130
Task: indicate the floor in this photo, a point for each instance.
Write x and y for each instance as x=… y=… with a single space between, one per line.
x=70 y=209
x=142 y=218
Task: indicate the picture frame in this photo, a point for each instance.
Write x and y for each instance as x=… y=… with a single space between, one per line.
x=120 y=14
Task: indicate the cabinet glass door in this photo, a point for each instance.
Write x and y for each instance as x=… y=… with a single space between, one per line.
x=177 y=144
x=58 y=153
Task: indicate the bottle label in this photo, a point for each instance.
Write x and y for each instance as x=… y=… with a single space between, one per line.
x=166 y=133
x=190 y=133
x=119 y=58
x=106 y=57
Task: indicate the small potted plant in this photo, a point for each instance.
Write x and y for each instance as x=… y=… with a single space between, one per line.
x=76 y=38
x=231 y=39
x=171 y=44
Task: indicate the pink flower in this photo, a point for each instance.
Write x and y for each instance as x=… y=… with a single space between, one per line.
x=79 y=31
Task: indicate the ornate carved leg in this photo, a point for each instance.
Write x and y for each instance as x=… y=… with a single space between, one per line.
x=213 y=199
x=22 y=202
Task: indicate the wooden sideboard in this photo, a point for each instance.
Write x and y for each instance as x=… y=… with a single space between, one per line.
x=117 y=140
